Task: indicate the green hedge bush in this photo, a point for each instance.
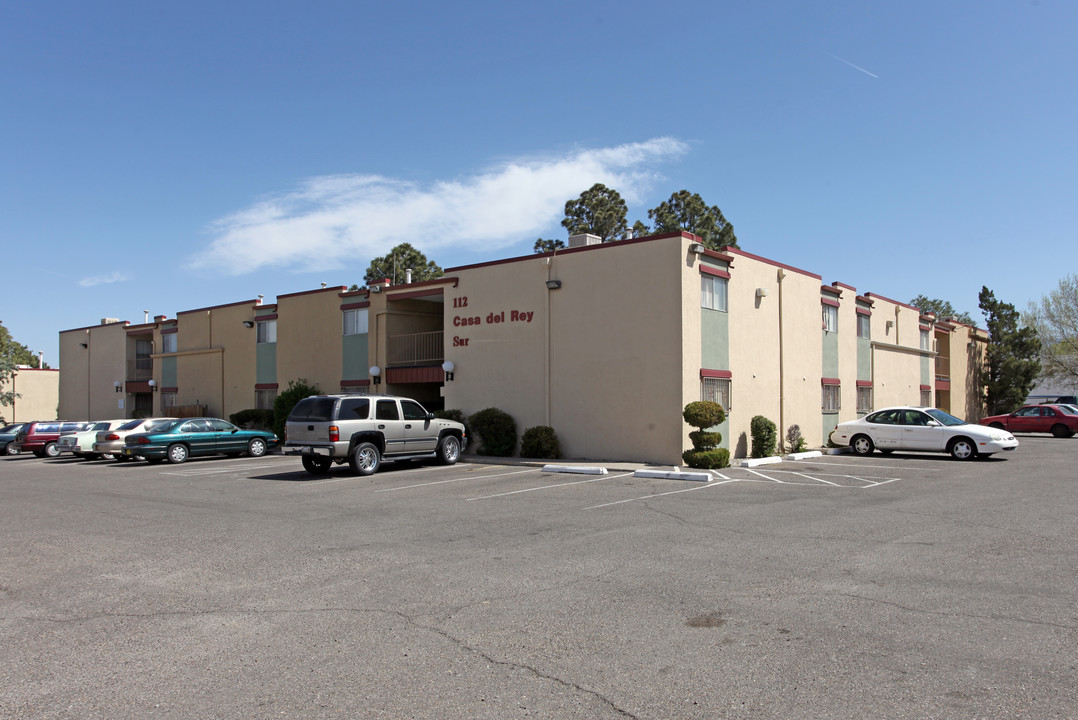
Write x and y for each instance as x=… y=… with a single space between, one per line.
x=282 y=406
x=764 y=437
x=540 y=442
x=706 y=453
x=496 y=431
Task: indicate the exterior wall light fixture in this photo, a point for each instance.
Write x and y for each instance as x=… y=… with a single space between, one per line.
x=117 y=385
x=248 y=324
x=376 y=288
x=448 y=367
x=697 y=248
x=553 y=284
x=153 y=385
x=376 y=374
x=761 y=292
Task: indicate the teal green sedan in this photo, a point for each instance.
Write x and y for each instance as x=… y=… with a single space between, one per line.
x=181 y=439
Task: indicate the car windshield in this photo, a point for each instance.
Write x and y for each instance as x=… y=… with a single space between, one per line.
x=130 y=425
x=100 y=426
x=1067 y=410
x=158 y=424
x=9 y=429
x=943 y=418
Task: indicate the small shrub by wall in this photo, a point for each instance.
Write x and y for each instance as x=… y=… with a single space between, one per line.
x=706 y=453
x=459 y=416
x=496 y=432
x=764 y=437
x=282 y=406
x=540 y=442
x=253 y=419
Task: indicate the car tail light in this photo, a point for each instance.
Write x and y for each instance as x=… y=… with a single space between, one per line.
x=334 y=433
x=140 y=441
x=111 y=436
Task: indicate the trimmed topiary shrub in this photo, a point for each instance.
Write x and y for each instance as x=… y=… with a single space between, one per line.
x=540 y=442
x=707 y=459
x=282 y=406
x=764 y=437
x=496 y=432
x=706 y=453
x=253 y=419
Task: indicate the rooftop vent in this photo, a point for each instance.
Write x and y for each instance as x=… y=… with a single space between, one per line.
x=584 y=239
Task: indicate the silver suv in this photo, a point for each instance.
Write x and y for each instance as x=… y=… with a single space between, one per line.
x=363 y=429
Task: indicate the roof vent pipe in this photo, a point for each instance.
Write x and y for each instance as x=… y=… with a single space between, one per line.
x=408 y=276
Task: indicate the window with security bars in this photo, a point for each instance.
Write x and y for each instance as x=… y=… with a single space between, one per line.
x=864 y=399
x=832 y=395
x=264 y=399
x=716 y=390
x=168 y=400
x=926 y=398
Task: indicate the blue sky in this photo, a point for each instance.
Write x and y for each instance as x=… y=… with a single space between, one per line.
x=164 y=157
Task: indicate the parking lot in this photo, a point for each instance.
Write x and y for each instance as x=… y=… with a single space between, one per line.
x=901 y=586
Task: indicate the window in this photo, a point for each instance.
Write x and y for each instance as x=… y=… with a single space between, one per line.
x=864 y=326
x=925 y=340
x=355 y=322
x=413 y=410
x=864 y=399
x=716 y=390
x=143 y=350
x=355 y=409
x=168 y=343
x=267 y=332
x=926 y=398
x=830 y=318
x=264 y=399
x=168 y=399
x=832 y=398
x=713 y=292
x=387 y=410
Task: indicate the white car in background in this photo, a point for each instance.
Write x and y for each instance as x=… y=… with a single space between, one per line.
x=111 y=441
x=81 y=444
x=921 y=428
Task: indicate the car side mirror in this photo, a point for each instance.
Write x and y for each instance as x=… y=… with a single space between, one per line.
x=933 y=423
x=430 y=416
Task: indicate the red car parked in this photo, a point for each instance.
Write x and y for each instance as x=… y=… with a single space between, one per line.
x=1060 y=420
x=40 y=437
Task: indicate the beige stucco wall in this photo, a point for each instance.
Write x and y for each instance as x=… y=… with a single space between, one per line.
x=755 y=354
x=603 y=343
x=215 y=359
x=88 y=374
x=309 y=331
x=38 y=395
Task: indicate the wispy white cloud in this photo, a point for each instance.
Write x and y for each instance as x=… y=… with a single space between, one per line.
x=328 y=220
x=103 y=279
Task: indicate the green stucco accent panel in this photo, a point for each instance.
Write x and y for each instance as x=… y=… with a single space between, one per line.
x=864 y=359
x=266 y=363
x=715 y=355
x=354 y=360
x=830 y=422
x=830 y=355
x=168 y=372
x=926 y=370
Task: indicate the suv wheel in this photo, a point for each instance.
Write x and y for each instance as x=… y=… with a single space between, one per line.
x=365 y=459
x=448 y=450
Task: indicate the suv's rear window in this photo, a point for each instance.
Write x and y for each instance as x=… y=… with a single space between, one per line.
x=354 y=409
x=315 y=409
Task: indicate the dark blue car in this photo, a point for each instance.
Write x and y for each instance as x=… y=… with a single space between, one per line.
x=181 y=439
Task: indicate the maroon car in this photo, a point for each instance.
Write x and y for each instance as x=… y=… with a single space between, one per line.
x=1060 y=420
x=40 y=437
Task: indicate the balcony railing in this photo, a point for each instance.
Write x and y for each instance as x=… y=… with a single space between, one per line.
x=943 y=368
x=415 y=349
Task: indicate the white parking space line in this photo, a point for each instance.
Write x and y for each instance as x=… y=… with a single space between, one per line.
x=456 y=480
x=196 y=471
x=878 y=467
x=663 y=494
x=549 y=487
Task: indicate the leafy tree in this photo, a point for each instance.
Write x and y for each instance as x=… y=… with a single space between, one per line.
x=12 y=354
x=640 y=229
x=399 y=259
x=1055 y=320
x=599 y=211
x=545 y=246
x=688 y=211
x=941 y=308
x=1011 y=356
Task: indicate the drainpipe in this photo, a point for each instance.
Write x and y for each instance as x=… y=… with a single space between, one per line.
x=782 y=373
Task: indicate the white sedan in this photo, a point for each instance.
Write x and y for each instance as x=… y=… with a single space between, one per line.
x=920 y=428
